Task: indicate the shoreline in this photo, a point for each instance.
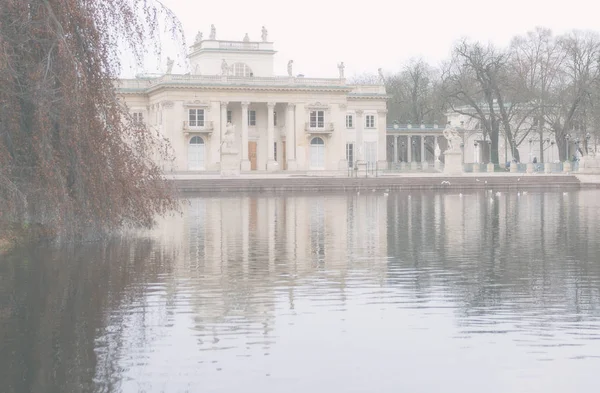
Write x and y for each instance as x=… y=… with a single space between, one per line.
x=214 y=183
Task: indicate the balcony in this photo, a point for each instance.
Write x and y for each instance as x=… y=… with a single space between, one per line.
x=327 y=129
x=205 y=128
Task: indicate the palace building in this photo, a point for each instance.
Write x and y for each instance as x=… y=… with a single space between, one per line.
x=278 y=122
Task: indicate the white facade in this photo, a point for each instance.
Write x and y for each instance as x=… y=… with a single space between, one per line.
x=280 y=122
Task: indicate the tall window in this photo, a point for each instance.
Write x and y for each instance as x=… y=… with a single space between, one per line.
x=349 y=121
x=275 y=151
x=317 y=119
x=370 y=149
x=196 y=117
x=229 y=117
x=370 y=121
x=251 y=118
x=350 y=154
x=138 y=117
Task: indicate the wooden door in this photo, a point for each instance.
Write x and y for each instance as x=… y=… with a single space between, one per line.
x=283 y=156
x=252 y=155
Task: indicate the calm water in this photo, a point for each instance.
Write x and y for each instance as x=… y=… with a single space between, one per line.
x=413 y=292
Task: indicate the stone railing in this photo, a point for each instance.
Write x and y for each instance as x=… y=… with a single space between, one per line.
x=206 y=128
x=238 y=45
x=235 y=80
x=327 y=128
x=367 y=89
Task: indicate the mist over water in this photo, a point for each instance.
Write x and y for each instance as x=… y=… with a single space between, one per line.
x=415 y=291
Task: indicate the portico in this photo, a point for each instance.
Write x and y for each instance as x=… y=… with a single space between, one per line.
x=414 y=146
x=278 y=123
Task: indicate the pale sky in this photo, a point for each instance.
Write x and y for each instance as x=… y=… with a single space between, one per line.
x=370 y=34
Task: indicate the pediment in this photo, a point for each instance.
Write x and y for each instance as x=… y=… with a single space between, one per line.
x=317 y=106
x=197 y=104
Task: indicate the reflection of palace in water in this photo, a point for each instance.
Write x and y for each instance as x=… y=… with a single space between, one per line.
x=241 y=251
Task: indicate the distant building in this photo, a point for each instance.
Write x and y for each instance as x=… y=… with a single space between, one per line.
x=280 y=122
x=477 y=148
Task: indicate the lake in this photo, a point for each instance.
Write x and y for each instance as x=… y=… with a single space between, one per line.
x=412 y=291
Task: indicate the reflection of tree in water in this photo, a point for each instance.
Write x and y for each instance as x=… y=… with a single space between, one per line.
x=54 y=305
x=530 y=257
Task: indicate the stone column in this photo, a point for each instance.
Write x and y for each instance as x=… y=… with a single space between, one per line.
x=360 y=154
x=290 y=138
x=271 y=163
x=245 y=166
x=413 y=162
x=424 y=163
x=382 y=162
x=223 y=117
x=396 y=139
x=409 y=149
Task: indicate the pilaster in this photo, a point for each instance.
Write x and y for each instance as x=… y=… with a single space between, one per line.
x=245 y=164
x=290 y=138
x=271 y=163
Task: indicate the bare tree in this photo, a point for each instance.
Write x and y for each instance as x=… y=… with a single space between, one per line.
x=572 y=97
x=536 y=59
x=414 y=97
x=70 y=155
x=472 y=79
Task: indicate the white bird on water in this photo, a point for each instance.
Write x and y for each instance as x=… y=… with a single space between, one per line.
x=498 y=193
x=446 y=182
x=385 y=194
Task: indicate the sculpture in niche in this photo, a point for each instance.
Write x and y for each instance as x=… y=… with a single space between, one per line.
x=170 y=63
x=224 y=67
x=246 y=38
x=264 y=34
x=213 y=32
x=437 y=152
x=229 y=139
x=453 y=137
x=341 y=67
x=198 y=37
x=289 y=68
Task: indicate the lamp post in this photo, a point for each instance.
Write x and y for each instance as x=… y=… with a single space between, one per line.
x=567 y=137
x=530 y=152
x=552 y=150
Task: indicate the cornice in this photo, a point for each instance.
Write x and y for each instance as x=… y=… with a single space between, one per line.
x=187 y=86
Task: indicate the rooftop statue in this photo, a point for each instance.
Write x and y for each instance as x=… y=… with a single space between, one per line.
x=170 y=63
x=213 y=32
x=289 y=68
x=341 y=67
x=246 y=38
x=264 y=34
x=198 y=37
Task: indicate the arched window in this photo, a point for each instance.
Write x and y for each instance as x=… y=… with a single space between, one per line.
x=317 y=141
x=317 y=153
x=196 y=153
x=241 y=69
